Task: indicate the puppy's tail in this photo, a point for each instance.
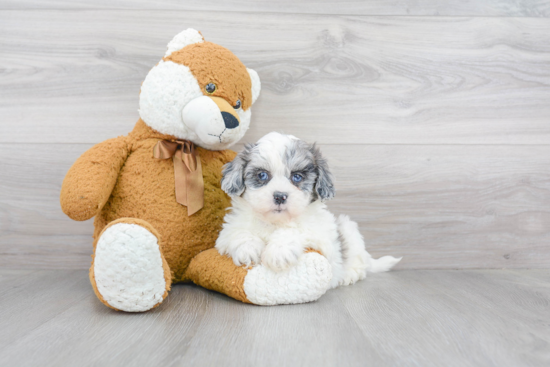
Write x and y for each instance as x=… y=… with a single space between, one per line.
x=382 y=264
x=356 y=258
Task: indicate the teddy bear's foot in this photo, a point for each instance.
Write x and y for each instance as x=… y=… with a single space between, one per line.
x=129 y=272
x=304 y=282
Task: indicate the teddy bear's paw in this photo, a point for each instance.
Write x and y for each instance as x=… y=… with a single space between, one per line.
x=128 y=268
x=304 y=282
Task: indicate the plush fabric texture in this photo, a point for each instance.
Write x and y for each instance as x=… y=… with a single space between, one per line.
x=259 y=285
x=173 y=85
x=256 y=85
x=128 y=268
x=211 y=63
x=145 y=190
x=182 y=39
x=216 y=272
x=91 y=179
x=304 y=282
x=144 y=239
x=120 y=178
x=143 y=224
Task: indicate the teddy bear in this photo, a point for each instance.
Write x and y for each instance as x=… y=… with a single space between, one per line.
x=156 y=193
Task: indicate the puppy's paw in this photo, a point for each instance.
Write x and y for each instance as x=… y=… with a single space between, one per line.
x=247 y=252
x=280 y=257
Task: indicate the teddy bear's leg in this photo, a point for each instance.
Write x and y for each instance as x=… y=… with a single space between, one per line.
x=308 y=280
x=129 y=272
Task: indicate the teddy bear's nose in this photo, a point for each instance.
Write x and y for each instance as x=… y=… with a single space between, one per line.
x=230 y=121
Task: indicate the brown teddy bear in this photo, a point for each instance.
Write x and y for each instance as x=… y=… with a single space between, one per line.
x=156 y=193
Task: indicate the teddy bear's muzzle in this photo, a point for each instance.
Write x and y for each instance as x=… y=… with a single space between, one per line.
x=230 y=116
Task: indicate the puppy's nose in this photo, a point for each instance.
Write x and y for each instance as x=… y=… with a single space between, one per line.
x=280 y=197
x=229 y=120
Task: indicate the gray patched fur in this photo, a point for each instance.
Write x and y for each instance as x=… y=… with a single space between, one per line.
x=233 y=172
x=324 y=186
x=257 y=164
x=299 y=158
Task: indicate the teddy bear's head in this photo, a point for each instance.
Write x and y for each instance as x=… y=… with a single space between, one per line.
x=199 y=92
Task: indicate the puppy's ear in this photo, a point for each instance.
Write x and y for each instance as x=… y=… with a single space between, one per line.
x=323 y=186
x=233 y=173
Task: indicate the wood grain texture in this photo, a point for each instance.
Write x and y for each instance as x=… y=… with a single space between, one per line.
x=438 y=206
x=401 y=318
x=501 y=8
x=74 y=76
x=46 y=295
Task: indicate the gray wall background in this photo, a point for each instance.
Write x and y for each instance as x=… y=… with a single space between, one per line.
x=434 y=115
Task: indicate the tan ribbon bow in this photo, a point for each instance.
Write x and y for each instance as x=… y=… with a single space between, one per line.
x=187 y=172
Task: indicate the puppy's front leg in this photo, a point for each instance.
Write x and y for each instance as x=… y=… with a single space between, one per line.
x=242 y=246
x=283 y=249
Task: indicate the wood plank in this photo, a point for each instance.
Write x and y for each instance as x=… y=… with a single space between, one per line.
x=34 y=232
x=30 y=300
x=400 y=318
x=8 y=275
x=334 y=79
x=451 y=318
x=97 y=333
x=318 y=334
x=438 y=206
x=356 y=7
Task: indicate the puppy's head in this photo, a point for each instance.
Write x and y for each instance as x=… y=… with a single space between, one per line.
x=279 y=176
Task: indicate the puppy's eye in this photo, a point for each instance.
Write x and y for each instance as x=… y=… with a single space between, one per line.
x=297 y=178
x=210 y=88
x=238 y=105
x=263 y=176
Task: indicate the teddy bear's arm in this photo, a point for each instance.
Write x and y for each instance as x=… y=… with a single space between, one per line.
x=89 y=182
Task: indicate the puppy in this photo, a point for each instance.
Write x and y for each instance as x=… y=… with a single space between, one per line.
x=278 y=187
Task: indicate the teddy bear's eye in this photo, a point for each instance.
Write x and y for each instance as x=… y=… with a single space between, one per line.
x=210 y=88
x=238 y=105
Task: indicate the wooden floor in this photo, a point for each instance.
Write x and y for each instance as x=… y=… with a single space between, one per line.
x=402 y=318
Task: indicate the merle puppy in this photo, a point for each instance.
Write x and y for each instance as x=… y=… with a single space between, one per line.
x=278 y=188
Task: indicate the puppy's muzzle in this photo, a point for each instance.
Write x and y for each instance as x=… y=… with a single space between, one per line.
x=230 y=116
x=280 y=197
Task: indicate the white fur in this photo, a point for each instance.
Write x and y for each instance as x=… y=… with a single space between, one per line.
x=305 y=282
x=128 y=268
x=256 y=230
x=182 y=39
x=271 y=148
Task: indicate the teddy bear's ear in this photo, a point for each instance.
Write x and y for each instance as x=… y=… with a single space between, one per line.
x=185 y=38
x=256 y=85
